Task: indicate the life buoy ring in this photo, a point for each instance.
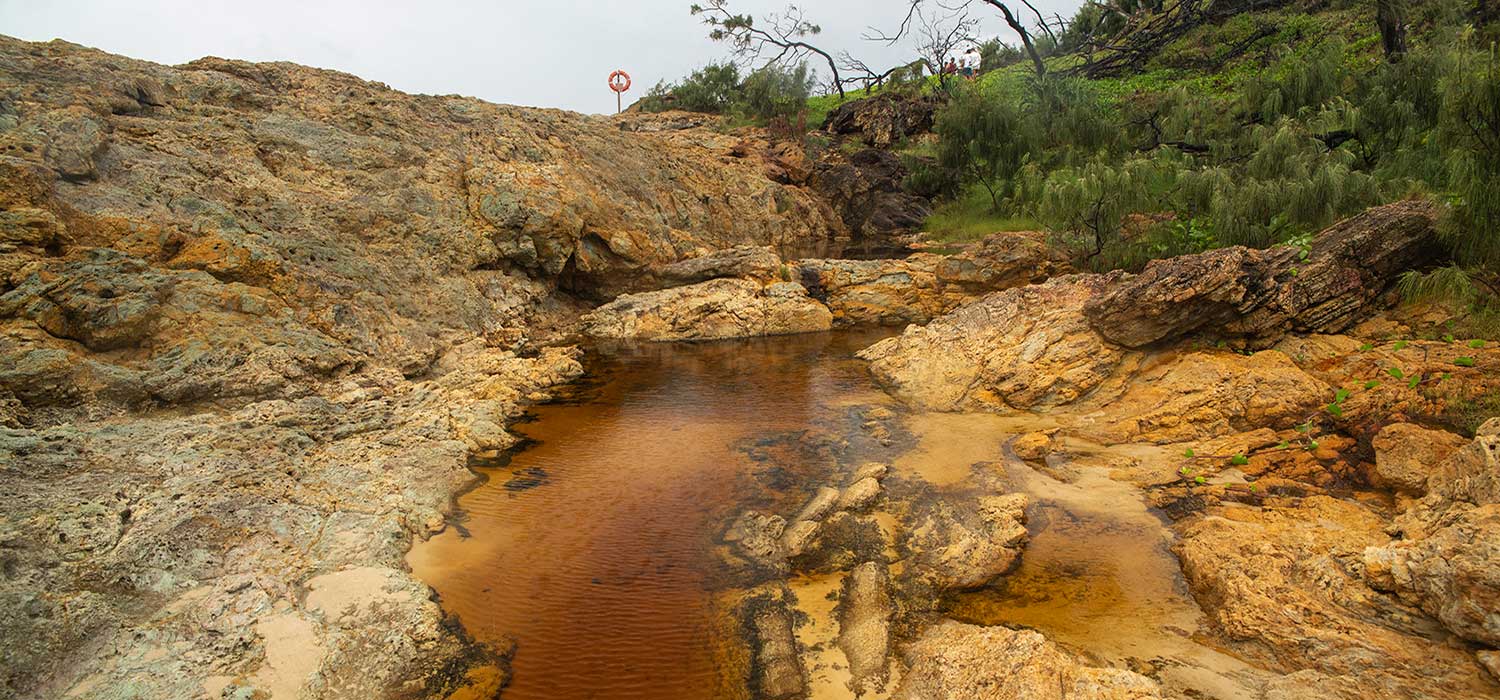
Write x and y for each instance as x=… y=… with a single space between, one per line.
x=619 y=81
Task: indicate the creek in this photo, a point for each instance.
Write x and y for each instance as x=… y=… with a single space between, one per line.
x=595 y=547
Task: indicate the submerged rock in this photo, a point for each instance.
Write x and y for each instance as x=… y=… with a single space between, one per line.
x=865 y=611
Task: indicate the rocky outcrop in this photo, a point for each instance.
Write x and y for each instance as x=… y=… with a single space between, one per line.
x=884 y=120
x=1028 y=347
x=1406 y=454
x=867 y=191
x=954 y=660
x=1260 y=295
x=275 y=531
x=1448 y=562
x=1071 y=339
x=1285 y=583
x=921 y=287
x=253 y=317
x=722 y=308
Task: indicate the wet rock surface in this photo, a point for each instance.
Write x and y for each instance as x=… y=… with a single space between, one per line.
x=722 y=308
x=954 y=660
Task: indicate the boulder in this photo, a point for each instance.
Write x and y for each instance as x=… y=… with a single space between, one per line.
x=1406 y=454
x=867 y=192
x=757 y=262
x=970 y=662
x=861 y=493
x=1284 y=584
x=1024 y=348
x=721 y=308
x=883 y=120
x=961 y=545
x=1261 y=295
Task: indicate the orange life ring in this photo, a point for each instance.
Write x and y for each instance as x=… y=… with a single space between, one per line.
x=619 y=81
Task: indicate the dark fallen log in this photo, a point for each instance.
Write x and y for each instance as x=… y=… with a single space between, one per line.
x=1260 y=295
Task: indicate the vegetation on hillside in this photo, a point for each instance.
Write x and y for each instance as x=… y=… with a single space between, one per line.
x=1136 y=138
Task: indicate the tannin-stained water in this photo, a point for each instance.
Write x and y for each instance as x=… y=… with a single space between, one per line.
x=593 y=548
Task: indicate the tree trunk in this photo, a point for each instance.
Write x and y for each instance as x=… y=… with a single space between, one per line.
x=1390 y=15
x=1010 y=19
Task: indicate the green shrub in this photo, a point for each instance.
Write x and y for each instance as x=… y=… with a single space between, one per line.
x=712 y=88
x=775 y=93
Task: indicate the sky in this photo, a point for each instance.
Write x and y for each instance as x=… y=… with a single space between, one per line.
x=551 y=53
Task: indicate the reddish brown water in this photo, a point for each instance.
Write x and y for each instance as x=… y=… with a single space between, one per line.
x=593 y=548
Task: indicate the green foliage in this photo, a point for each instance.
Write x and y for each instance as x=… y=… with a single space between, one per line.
x=971 y=217
x=1470 y=130
x=775 y=93
x=982 y=141
x=1259 y=130
x=1467 y=414
x=712 y=88
x=768 y=95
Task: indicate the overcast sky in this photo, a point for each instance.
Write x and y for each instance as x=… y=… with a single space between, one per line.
x=549 y=53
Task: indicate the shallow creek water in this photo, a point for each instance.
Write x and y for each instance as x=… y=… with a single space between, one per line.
x=593 y=548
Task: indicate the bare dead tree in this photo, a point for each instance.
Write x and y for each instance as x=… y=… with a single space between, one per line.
x=1041 y=21
x=939 y=37
x=914 y=8
x=873 y=34
x=861 y=74
x=783 y=37
x=1019 y=28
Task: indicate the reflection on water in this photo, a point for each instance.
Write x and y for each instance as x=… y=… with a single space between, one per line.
x=592 y=548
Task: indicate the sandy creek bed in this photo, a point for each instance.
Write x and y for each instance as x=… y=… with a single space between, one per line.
x=595 y=549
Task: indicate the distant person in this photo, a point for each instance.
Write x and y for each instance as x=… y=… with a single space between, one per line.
x=971 y=62
x=952 y=66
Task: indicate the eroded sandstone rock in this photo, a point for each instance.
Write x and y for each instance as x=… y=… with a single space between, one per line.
x=954 y=660
x=1406 y=454
x=1286 y=583
x=958 y=545
x=1260 y=295
x=1028 y=347
x=721 y=308
x=1448 y=562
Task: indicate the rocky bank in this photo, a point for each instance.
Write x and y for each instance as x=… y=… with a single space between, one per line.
x=254 y=319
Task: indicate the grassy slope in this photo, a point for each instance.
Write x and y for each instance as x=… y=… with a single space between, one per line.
x=1200 y=62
